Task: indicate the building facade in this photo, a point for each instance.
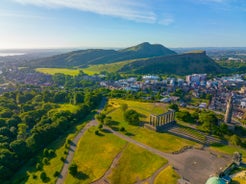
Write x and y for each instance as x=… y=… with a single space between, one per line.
x=158 y=122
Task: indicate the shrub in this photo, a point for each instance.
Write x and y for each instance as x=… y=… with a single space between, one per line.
x=73 y=169
x=97 y=132
x=56 y=174
x=122 y=129
x=43 y=176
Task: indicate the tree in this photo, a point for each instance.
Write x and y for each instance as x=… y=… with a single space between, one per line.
x=124 y=107
x=100 y=117
x=174 y=107
x=108 y=120
x=132 y=117
x=73 y=169
x=19 y=147
x=235 y=140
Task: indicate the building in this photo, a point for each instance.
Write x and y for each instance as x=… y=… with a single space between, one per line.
x=196 y=78
x=228 y=114
x=158 y=122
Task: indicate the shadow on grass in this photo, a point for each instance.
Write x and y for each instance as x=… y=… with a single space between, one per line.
x=81 y=176
x=129 y=134
x=113 y=123
x=235 y=182
x=72 y=143
x=106 y=131
x=46 y=180
x=142 y=115
x=100 y=134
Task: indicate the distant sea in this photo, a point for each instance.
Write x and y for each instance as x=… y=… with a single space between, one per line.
x=4 y=54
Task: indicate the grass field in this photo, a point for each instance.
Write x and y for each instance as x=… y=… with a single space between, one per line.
x=68 y=107
x=229 y=149
x=91 y=70
x=112 y=67
x=94 y=155
x=135 y=164
x=53 y=71
x=162 y=141
x=168 y=175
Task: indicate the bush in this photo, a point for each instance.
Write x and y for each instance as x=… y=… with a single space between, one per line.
x=43 y=176
x=97 y=132
x=56 y=174
x=73 y=169
x=34 y=177
x=63 y=159
x=235 y=140
x=100 y=126
x=122 y=129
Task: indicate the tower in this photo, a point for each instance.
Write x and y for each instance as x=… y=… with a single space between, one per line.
x=228 y=114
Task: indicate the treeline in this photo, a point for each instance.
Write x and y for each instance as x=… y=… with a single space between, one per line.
x=78 y=81
x=30 y=120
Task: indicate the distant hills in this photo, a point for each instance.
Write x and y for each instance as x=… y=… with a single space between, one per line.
x=147 y=59
x=83 y=58
x=182 y=64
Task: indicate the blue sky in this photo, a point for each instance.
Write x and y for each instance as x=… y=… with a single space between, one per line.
x=122 y=23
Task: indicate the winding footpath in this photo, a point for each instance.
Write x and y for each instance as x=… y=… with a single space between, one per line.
x=73 y=145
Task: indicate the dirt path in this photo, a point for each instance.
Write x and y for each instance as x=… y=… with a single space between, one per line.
x=73 y=146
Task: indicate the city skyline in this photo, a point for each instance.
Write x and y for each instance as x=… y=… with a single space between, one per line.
x=118 y=24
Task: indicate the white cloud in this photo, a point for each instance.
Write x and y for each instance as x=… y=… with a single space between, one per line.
x=126 y=9
x=4 y=13
x=166 y=21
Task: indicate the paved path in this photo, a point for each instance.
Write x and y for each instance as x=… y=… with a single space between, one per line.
x=73 y=145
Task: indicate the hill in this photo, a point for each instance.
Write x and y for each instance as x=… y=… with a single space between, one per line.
x=83 y=58
x=192 y=62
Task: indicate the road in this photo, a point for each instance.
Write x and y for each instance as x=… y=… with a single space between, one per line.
x=72 y=146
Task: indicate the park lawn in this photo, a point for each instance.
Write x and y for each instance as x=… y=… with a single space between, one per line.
x=94 y=155
x=53 y=71
x=168 y=175
x=68 y=107
x=162 y=141
x=144 y=108
x=229 y=149
x=135 y=164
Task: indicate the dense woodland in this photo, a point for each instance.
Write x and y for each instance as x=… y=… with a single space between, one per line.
x=31 y=119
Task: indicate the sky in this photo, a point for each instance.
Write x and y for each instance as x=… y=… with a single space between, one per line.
x=122 y=23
